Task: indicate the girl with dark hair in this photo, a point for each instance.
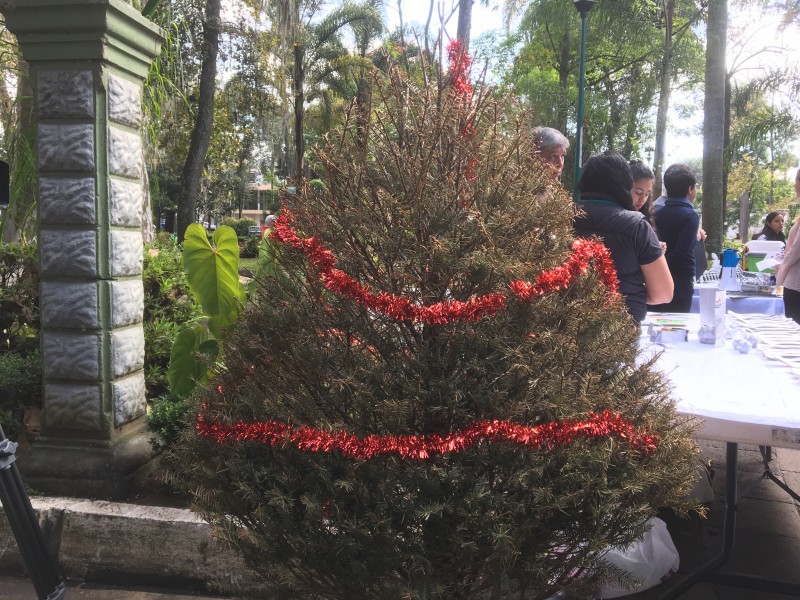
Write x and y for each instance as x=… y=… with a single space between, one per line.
x=773 y=228
x=606 y=209
x=642 y=190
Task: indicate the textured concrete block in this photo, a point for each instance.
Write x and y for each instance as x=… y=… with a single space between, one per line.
x=65 y=94
x=66 y=147
x=126 y=253
x=124 y=153
x=129 y=398
x=70 y=305
x=159 y=542
x=72 y=406
x=127 y=199
x=68 y=253
x=124 y=101
x=127 y=351
x=127 y=302
x=67 y=201
x=71 y=356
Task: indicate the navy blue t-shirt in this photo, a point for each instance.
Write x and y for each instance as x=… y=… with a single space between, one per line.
x=631 y=241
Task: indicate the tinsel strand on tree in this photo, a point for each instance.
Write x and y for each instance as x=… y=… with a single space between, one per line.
x=434 y=393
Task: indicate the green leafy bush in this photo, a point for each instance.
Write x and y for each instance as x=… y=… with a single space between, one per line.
x=20 y=386
x=168 y=306
x=19 y=298
x=164 y=419
x=211 y=279
x=240 y=226
x=20 y=364
x=250 y=247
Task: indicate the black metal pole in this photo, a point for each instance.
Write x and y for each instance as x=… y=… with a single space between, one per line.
x=25 y=526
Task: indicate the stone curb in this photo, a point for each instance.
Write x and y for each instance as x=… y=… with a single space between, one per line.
x=128 y=544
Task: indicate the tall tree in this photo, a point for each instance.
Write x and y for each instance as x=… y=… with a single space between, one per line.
x=316 y=48
x=714 y=124
x=204 y=121
x=676 y=61
x=464 y=22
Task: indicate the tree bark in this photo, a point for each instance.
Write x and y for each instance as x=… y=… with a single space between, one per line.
x=744 y=216
x=663 y=97
x=563 y=80
x=298 y=81
x=204 y=123
x=714 y=124
x=464 y=22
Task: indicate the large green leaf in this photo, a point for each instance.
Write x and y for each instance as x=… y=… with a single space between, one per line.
x=192 y=355
x=213 y=271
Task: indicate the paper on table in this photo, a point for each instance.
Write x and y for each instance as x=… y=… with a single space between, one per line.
x=767 y=263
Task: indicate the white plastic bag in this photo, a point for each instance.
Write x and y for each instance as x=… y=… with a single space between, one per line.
x=649 y=561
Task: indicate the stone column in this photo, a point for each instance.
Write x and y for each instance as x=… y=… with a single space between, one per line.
x=88 y=59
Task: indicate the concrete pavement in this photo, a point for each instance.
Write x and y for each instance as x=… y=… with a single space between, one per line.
x=767 y=540
x=18 y=588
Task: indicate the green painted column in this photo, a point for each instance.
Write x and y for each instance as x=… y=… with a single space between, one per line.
x=88 y=59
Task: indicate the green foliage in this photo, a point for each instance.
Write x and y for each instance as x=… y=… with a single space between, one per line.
x=250 y=246
x=240 y=226
x=168 y=306
x=20 y=386
x=193 y=354
x=213 y=276
x=164 y=418
x=213 y=273
x=19 y=298
x=402 y=215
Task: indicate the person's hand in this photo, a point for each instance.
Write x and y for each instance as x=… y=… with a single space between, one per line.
x=663 y=247
x=701 y=235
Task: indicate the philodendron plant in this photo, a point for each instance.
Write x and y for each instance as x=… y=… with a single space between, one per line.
x=213 y=273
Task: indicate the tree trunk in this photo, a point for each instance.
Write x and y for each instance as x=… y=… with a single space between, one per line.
x=725 y=143
x=299 y=113
x=464 y=22
x=744 y=216
x=563 y=81
x=204 y=123
x=663 y=97
x=714 y=124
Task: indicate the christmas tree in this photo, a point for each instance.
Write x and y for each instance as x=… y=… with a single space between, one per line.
x=433 y=391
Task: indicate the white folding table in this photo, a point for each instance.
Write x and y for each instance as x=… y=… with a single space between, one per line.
x=738 y=399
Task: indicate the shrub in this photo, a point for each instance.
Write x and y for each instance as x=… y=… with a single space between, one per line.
x=164 y=419
x=335 y=449
x=20 y=387
x=240 y=226
x=250 y=247
x=19 y=297
x=168 y=306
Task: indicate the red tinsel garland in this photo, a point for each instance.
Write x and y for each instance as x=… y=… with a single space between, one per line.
x=584 y=253
x=460 y=67
x=537 y=437
x=460 y=70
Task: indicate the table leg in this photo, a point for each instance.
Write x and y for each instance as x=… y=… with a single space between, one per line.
x=728 y=528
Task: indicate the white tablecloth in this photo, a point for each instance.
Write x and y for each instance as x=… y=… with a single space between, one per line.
x=743 y=398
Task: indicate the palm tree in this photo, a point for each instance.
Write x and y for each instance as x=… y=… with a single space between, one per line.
x=317 y=55
x=714 y=123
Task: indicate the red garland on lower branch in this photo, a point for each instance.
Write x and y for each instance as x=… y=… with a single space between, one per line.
x=584 y=254
x=536 y=437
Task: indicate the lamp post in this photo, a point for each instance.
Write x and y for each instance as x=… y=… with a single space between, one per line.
x=583 y=7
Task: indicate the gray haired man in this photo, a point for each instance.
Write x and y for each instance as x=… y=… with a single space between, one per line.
x=552 y=146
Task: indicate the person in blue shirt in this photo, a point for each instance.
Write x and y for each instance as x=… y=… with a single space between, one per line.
x=678 y=224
